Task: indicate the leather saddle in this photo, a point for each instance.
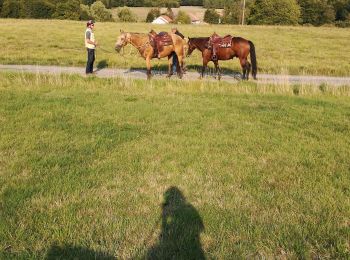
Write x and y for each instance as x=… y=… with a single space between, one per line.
x=158 y=41
x=216 y=42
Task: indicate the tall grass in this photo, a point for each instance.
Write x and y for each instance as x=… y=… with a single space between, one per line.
x=291 y=50
x=124 y=168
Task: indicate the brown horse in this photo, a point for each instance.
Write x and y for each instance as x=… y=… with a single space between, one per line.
x=240 y=48
x=142 y=42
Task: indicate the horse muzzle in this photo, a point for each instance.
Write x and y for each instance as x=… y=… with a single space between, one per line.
x=117 y=48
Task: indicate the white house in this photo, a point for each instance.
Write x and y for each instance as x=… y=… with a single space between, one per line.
x=163 y=19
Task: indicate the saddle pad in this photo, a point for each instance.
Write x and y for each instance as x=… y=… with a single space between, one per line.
x=164 y=40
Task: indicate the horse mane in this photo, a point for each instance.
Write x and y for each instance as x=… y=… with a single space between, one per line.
x=199 y=38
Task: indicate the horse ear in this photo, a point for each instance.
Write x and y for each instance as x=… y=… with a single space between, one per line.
x=121 y=30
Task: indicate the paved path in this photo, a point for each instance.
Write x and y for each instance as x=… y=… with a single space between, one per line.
x=141 y=74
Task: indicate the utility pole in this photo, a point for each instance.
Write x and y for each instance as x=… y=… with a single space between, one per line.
x=243 y=12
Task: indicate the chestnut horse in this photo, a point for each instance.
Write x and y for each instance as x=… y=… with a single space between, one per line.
x=240 y=48
x=142 y=43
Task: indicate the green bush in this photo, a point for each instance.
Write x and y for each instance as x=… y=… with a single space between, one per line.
x=85 y=13
x=162 y=3
x=316 y=12
x=191 y=2
x=210 y=4
x=87 y=2
x=119 y=3
x=152 y=14
x=68 y=10
x=11 y=9
x=232 y=13
x=183 y=18
x=100 y=13
x=211 y=16
x=125 y=15
x=278 y=12
x=38 y=9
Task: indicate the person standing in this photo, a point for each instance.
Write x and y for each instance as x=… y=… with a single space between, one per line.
x=90 y=44
x=175 y=64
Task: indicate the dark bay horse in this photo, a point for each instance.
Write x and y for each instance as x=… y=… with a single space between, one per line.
x=141 y=42
x=240 y=48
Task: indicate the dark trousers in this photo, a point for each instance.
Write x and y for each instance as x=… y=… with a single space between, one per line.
x=175 y=63
x=90 y=61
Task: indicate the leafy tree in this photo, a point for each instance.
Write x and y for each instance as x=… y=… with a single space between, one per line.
x=100 y=13
x=41 y=9
x=280 y=12
x=88 y=2
x=342 y=9
x=85 y=13
x=126 y=15
x=163 y=3
x=169 y=12
x=120 y=3
x=68 y=10
x=211 y=16
x=233 y=13
x=107 y=3
x=316 y=12
x=191 y=3
x=11 y=8
x=152 y=14
x=215 y=3
x=183 y=18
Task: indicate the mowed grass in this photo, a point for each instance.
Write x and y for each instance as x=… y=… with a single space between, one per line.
x=118 y=168
x=281 y=50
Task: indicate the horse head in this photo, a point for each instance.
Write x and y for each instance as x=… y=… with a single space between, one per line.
x=122 y=40
x=191 y=46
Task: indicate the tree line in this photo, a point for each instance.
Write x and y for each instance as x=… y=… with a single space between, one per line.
x=270 y=12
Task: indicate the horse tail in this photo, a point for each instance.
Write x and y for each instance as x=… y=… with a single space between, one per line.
x=253 y=59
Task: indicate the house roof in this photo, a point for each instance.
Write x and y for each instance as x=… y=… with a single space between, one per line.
x=166 y=18
x=193 y=17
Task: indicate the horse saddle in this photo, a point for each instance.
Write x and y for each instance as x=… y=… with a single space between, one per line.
x=221 y=42
x=158 y=41
x=216 y=42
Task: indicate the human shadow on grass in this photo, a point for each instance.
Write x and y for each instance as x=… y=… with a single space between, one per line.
x=181 y=228
x=75 y=252
x=101 y=65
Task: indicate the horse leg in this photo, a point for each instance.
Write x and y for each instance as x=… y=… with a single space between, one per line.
x=248 y=66
x=148 y=64
x=180 y=63
x=205 y=64
x=243 y=66
x=217 y=69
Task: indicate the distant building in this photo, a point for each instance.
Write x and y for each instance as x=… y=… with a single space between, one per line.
x=163 y=19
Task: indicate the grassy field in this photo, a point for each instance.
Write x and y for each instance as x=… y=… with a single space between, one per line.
x=133 y=169
x=293 y=50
